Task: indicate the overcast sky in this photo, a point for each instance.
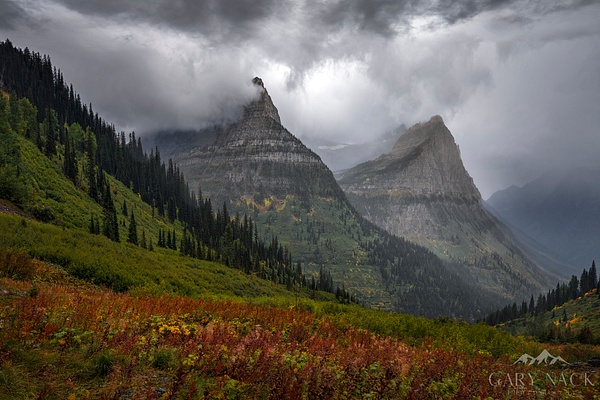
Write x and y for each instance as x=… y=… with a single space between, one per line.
x=517 y=82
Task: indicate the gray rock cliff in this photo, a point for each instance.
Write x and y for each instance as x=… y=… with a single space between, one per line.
x=254 y=153
x=422 y=192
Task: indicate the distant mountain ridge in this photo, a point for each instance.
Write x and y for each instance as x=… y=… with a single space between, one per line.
x=421 y=191
x=342 y=156
x=560 y=210
x=439 y=170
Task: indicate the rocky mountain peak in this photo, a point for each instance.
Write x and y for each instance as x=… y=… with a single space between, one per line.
x=422 y=191
x=254 y=154
x=424 y=161
x=434 y=162
x=258 y=82
x=263 y=106
x=260 y=120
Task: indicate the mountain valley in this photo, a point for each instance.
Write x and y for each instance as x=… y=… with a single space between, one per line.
x=559 y=211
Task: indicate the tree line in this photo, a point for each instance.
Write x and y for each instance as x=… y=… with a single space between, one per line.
x=547 y=302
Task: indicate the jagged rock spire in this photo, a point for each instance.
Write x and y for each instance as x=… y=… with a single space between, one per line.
x=255 y=154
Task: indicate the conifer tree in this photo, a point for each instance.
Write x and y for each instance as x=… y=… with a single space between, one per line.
x=109 y=216
x=573 y=287
x=92 y=225
x=531 y=305
x=70 y=164
x=132 y=237
x=51 y=131
x=593 y=276
x=584 y=282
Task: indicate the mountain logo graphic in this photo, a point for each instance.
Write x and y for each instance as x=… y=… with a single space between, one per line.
x=544 y=358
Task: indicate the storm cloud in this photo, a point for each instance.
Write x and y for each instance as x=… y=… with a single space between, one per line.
x=517 y=82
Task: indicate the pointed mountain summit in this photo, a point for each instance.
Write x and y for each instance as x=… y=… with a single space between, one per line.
x=256 y=153
x=425 y=161
x=256 y=166
x=422 y=192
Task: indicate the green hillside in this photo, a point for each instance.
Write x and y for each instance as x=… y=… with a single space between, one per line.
x=325 y=236
x=574 y=321
x=122 y=266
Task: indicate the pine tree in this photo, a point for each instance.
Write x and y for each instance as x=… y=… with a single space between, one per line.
x=109 y=216
x=573 y=287
x=93 y=191
x=132 y=237
x=92 y=225
x=593 y=276
x=51 y=131
x=532 y=306
x=70 y=163
x=584 y=282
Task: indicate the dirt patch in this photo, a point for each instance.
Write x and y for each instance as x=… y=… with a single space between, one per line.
x=7 y=207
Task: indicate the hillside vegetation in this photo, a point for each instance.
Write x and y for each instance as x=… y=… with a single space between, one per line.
x=63 y=338
x=574 y=321
x=568 y=313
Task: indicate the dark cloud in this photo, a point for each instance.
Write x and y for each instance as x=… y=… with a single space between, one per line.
x=543 y=7
x=218 y=19
x=390 y=17
x=11 y=14
x=378 y=16
x=225 y=17
x=455 y=11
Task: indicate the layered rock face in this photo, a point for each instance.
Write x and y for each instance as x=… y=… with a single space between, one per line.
x=425 y=161
x=421 y=191
x=255 y=153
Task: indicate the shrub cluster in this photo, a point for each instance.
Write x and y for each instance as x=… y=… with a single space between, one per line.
x=16 y=264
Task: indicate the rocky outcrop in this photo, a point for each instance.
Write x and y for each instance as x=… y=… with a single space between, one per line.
x=421 y=191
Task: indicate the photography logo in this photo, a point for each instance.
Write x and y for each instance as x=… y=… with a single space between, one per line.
x=544 y=358
x=547 y=371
